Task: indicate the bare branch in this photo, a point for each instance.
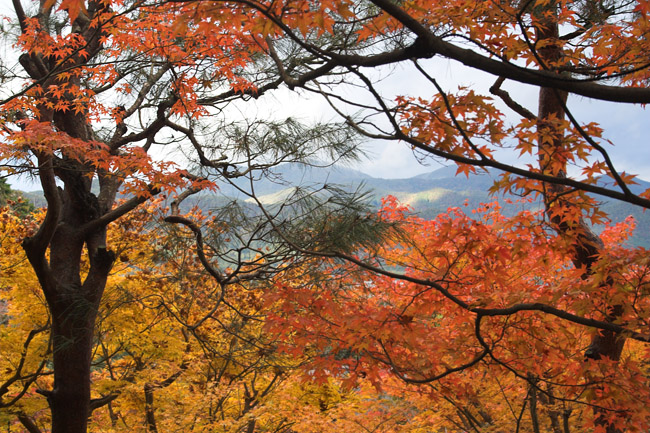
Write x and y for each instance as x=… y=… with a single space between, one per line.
x=20 y=14
x=511 y=103
x=175 y=205
x=154 y=127
x=176 y=219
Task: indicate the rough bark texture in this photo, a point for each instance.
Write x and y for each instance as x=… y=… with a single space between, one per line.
x=65 y=232
x=73 y=304
x=587 y=245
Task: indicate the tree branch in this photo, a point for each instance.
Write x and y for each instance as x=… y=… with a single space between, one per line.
x=430 y=44
x=436 y=377
x=480 y=312
x=118 y=212
x=96 y=403
x=20 y=14
x=28 y=423
x=36 y=245
x=176 y=219
x=18 y=376
x=488 y=163
x=150 y=131
x=496 y=90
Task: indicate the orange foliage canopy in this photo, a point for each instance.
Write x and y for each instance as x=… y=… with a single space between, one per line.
x=488 y=315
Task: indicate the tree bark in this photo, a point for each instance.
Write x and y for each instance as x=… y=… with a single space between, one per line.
x=74 y=305
x=73 y=302
x=56 y=250
x=586 y=244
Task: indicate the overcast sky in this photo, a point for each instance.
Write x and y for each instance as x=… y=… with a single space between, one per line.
x=624 y=124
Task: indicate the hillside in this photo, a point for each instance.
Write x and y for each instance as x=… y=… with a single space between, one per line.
x=428 y=194
x=431 y=193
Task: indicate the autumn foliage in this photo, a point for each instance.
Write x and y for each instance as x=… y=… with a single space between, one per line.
x=466 y=325
x=122 y=310
x=336 y=347
x=164 y=357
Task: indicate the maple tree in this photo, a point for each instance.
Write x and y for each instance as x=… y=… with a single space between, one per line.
x=591 y=49
x=100 y=85
x=489 y=322
x=165 y=356
x=24 y=344
x=183 y=362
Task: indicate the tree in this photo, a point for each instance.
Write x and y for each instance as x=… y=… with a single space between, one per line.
x=591 y=49
x=165 y=356
x=101 y=84
x=24 y=322
x=168 y=356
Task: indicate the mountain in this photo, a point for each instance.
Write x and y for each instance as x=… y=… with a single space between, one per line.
x=432 y=193
x=429 y=194
x=287 y=176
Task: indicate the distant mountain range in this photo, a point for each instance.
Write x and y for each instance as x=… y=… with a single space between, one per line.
x=428 y=194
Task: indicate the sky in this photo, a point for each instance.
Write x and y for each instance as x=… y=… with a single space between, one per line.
x=625 y=124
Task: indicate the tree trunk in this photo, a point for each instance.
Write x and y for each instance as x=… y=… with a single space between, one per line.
x=76 y=219
x=73 y=302
x=587 y=245
x=70 y=399
x=74 y=305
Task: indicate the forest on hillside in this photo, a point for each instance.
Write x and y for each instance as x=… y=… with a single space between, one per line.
x=127 y=307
